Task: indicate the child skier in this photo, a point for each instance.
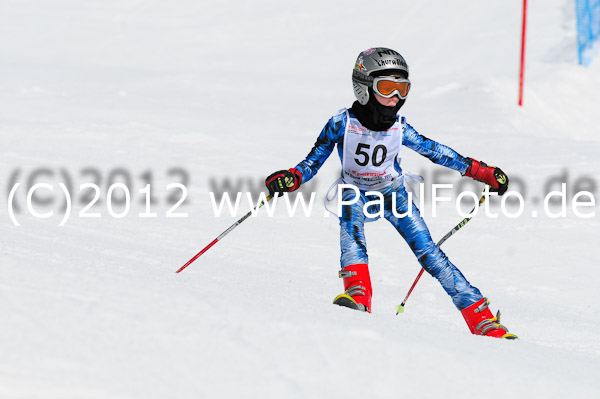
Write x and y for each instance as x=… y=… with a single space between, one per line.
x=369 y=137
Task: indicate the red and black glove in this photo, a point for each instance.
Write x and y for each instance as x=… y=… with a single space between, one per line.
x=283 y=181
x=494 y=177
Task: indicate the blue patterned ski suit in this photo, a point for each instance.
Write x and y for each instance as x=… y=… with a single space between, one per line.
x=412 y=228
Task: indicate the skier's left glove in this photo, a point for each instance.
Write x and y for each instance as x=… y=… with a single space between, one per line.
x=494 y=177
x=283 y=181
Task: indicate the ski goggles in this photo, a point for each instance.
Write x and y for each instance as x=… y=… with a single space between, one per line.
x=389 y=86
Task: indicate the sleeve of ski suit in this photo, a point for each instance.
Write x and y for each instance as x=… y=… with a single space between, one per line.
x=434 y=151
x=331 y=134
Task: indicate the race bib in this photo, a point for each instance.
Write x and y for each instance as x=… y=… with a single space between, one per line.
x=369 y=156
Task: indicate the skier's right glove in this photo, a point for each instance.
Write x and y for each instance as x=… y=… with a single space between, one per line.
x=494 y=177
x=283 y=181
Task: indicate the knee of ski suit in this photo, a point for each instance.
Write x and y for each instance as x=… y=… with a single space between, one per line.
x=353 y=244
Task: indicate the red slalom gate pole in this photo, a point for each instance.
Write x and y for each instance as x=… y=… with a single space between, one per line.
x=522 y=72
x=223 y=234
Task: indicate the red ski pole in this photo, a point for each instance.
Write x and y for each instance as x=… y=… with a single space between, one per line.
x=400 y=308
x=223 y=234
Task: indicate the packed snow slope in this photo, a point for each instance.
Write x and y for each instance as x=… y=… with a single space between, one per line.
x=207 y=93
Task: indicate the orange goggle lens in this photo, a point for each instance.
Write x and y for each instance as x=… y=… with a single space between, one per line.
x=387 y=87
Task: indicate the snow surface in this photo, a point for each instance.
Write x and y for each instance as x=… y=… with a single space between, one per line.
x=233 y=90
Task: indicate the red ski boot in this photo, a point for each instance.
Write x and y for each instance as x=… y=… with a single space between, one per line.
x=357 y=284
x=482 y=322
